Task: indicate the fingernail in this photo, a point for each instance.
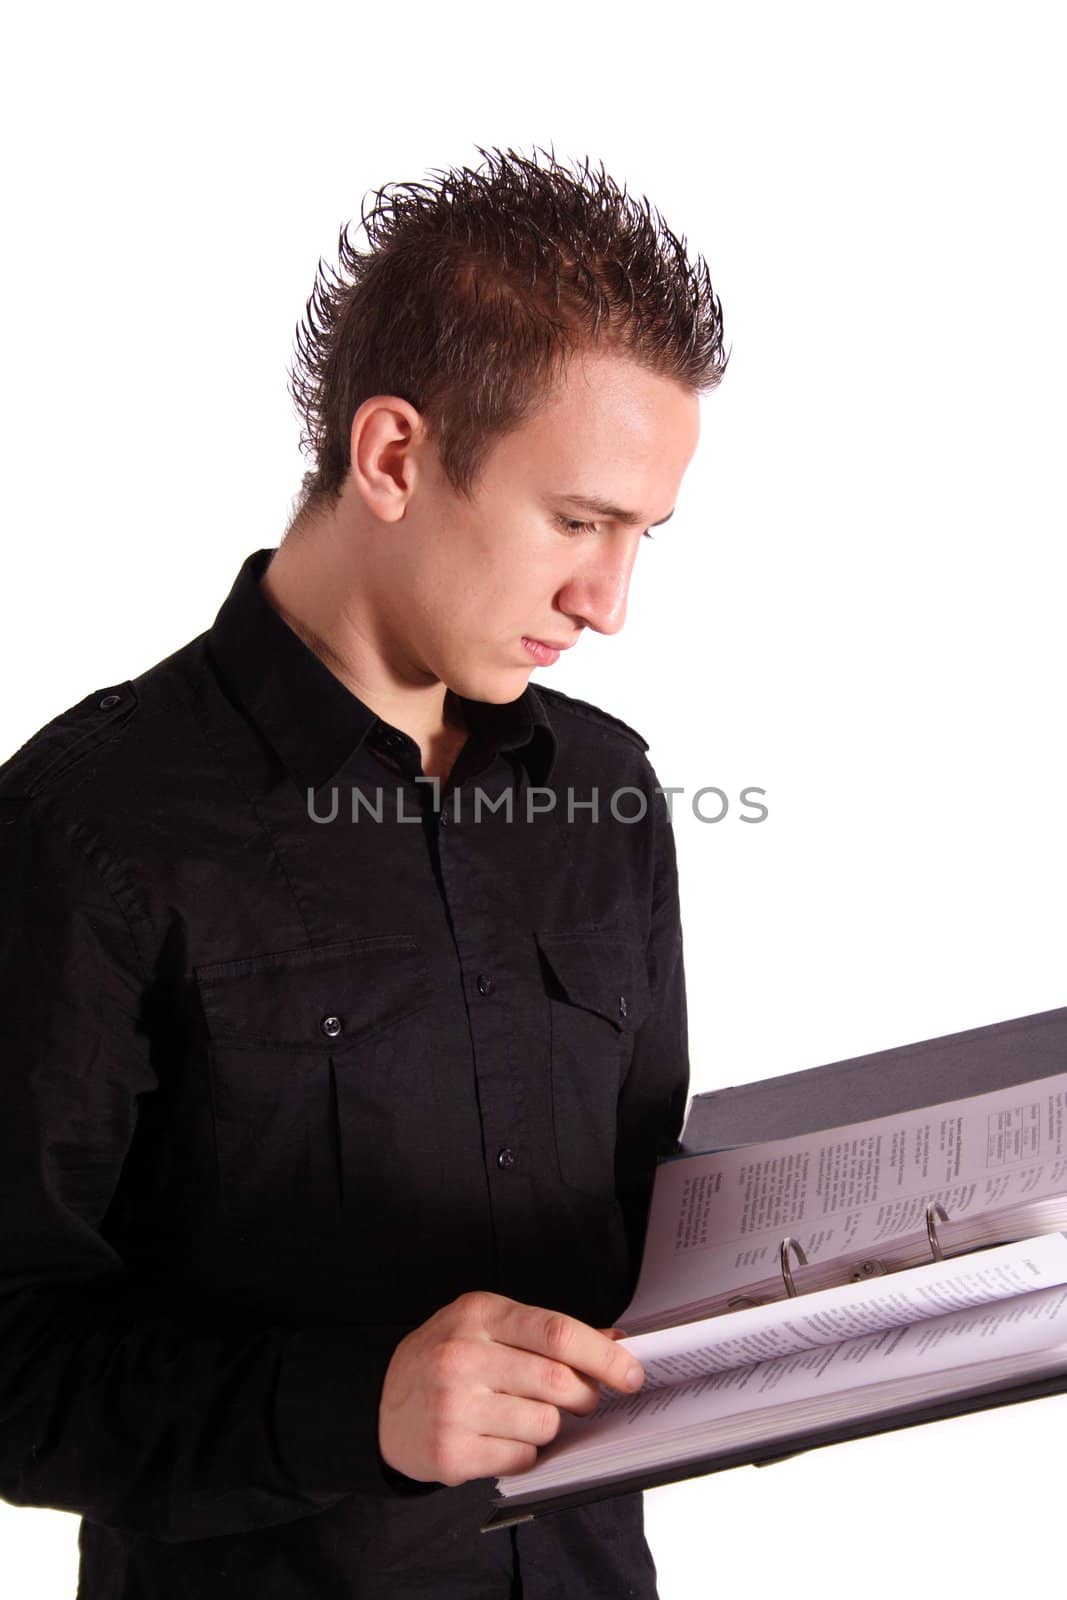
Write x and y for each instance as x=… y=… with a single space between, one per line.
x=634 y=1378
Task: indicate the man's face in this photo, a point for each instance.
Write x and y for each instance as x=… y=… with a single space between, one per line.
x=478 y=587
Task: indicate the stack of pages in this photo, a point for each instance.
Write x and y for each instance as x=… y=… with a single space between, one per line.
x=866 y=1269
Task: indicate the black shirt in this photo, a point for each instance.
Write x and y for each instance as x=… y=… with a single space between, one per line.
x=281 y=1079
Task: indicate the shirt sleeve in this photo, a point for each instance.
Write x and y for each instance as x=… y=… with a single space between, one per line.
x=107 y=1408
x=652 y=1102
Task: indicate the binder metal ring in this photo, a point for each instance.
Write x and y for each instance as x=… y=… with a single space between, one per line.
x=935 y=1212
x=784 y=1248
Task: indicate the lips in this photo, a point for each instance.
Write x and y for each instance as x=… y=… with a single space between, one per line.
x=543 y=652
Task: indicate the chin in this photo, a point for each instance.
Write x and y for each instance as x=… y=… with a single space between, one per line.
x=498 y=687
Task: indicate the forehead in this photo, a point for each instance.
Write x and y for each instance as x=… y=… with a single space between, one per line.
x=607 y=423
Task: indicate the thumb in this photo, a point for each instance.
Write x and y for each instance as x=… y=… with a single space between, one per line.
x=613 y=1333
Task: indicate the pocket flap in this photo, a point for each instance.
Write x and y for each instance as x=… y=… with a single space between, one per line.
x=604 y=973
x=313 y=999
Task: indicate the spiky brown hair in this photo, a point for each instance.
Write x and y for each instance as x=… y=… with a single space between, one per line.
x=474 y=292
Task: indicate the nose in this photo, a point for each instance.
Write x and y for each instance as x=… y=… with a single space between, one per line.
x=597 y=593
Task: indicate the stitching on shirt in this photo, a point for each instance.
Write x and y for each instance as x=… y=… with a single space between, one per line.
x=94 y=853
x=83 y=741
x=591 y=713
x=304 y=956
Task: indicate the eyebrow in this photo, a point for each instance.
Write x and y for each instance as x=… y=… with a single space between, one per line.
x=602 y=508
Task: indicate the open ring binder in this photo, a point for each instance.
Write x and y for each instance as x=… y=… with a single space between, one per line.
x=978 y=1118
x=935 y=1212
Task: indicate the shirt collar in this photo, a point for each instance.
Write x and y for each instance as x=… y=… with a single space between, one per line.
x=309 y=716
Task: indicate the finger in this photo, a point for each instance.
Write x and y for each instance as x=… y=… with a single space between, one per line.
x=497 y=1458
x=613 y=1333
x=511 y=1417
x=506 y=1370
x=564 y=1338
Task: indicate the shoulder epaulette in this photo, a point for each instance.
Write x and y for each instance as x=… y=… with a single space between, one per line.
x=591 y=713
x=68 y=738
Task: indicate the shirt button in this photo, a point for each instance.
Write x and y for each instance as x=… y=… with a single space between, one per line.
x=623 y=1007
x=485 y=985
x=108 y=701
x=442 y=817
x=505 y=1158
x=331 y=1026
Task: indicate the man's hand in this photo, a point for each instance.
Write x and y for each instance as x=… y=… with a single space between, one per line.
x=475 y=1390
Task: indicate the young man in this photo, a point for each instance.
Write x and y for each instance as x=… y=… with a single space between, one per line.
x=343 y=967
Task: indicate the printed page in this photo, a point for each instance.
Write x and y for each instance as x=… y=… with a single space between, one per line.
x=717 y=1220
x=829 y=1316
x=959 y=1352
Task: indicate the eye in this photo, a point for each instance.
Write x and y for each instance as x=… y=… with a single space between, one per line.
x=571 y=525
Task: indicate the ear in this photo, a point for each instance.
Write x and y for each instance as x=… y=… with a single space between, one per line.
x=386 y=432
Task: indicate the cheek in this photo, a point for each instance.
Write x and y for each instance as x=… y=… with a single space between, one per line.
x=492 y=579
x=459 y=598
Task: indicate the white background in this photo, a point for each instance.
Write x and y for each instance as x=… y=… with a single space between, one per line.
x=858 y=606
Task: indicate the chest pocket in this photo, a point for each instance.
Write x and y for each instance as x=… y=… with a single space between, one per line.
x=597 y=990
x=321 y=1073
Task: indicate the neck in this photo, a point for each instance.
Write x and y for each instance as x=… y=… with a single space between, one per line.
x=313 y=582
